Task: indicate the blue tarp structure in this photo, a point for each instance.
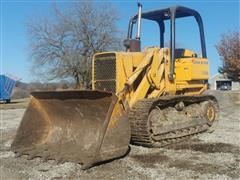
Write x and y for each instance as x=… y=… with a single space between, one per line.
x=6 y=87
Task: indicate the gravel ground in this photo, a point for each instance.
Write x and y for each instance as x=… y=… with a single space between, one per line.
x=211 y=155
x=15 y=104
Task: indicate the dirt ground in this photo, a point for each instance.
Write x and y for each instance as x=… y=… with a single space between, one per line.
x=15 y=104
x=211 y=155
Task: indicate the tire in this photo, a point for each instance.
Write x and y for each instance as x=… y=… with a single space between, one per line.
x=8 y=101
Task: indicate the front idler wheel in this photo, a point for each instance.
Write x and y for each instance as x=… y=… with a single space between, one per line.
x=209 y=111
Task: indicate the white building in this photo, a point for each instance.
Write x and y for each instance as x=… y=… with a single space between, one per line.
x=221 y=82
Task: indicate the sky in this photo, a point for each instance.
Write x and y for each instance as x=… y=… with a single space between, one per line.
x=218 y=17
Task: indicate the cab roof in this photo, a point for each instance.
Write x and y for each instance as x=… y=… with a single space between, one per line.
x=165 y=14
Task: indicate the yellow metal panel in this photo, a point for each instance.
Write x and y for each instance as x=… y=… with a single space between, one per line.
x=187 y=69
x=124 y=68
x=190 y=73
x=140 y=92
x=200 y=69
x=183 y=69
x=137 y=58
x=157 y=69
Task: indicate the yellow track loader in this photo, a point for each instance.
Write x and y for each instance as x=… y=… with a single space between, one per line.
x=152 y=98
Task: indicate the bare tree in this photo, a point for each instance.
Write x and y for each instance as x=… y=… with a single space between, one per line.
x=229 y=50
x=63 y=47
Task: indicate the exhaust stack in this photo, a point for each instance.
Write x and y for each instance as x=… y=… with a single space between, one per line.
x=139 y=21
x=134 y=45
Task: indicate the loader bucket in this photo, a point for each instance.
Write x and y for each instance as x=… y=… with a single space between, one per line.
x=76 y=126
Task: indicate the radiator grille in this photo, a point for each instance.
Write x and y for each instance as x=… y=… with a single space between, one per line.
x=105 y=73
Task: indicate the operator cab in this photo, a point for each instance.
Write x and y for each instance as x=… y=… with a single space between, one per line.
x=160 y=17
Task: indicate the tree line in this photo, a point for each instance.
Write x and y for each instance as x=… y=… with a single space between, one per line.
x=62 y=47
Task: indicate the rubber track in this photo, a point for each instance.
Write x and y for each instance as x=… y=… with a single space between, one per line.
x=138 y=117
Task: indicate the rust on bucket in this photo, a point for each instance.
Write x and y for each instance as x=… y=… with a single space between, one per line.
x=78 y=126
